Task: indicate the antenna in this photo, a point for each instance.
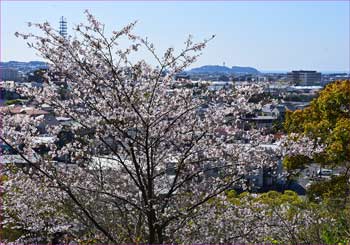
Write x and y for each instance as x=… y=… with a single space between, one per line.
x=63 y=27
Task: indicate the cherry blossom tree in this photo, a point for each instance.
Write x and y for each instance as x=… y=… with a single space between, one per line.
x=140 y=154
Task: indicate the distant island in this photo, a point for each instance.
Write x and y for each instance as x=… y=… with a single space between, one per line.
x=216 y=69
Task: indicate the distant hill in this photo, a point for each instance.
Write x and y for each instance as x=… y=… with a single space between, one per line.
x=215 y=69
x=21 y=63
x=24 y=66
x=246 y=70
x=211 y=69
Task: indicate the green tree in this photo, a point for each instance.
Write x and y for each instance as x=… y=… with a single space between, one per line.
x=330 y=191
x=327 y=121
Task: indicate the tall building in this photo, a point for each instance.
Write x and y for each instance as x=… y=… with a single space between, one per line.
x=304 y=78
x=8 y=74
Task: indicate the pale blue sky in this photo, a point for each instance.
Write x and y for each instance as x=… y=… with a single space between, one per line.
x=272 y=35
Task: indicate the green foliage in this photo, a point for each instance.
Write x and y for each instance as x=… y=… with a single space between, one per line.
x=231 y=194
x=295 y=162
x=13 y=102
x=339 y=141
x=10 y=233
x=290 y=207
x=328 y=119
x=339 y=230
x=329 y=190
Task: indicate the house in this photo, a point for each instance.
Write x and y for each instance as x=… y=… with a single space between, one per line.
x=277 y=111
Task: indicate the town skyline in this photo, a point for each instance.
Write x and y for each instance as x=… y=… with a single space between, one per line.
x=226 y=65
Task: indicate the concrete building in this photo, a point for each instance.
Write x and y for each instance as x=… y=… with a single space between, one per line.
x=304 y=78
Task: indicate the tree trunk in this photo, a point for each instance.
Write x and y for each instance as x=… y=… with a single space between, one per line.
x=160 y=234
x=151 y=227
x=155 y=230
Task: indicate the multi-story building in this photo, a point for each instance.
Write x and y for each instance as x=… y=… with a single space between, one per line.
x=304 y=78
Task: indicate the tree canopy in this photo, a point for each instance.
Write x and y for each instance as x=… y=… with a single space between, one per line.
x=327 y=121
x=138 y=154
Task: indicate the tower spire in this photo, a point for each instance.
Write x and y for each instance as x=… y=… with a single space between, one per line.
x=63 y=27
